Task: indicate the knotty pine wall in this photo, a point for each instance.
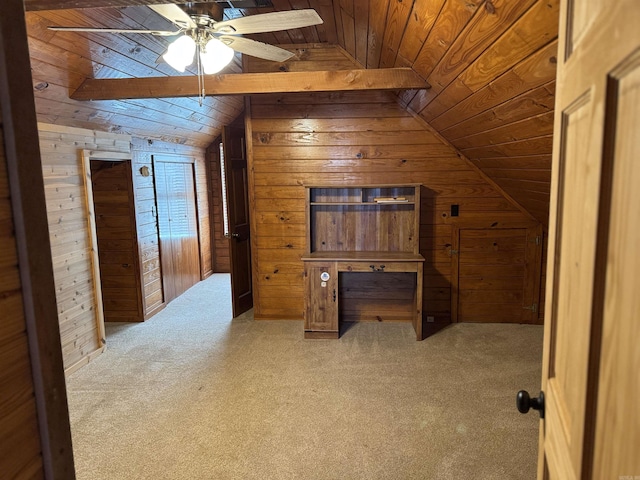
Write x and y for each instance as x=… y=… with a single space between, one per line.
x=350 y=139
x=19 y=434
x=491 y=66
x=67 y=211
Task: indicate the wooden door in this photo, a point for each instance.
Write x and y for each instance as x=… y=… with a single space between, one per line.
x=496 y=270
x=236 y=181
x=591 y=356
x=119 y=261
x=177 y=225
x=321 y=309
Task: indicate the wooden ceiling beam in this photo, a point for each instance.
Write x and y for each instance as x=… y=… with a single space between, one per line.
x=250 y=83
x=34 y=5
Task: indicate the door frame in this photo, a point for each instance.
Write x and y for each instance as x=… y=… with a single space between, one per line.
x=106 y=156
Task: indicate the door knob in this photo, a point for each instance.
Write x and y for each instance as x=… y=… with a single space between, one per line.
x=524 y=402
x=235 y=235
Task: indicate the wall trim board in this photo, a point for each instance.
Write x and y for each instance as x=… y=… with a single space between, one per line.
x=273 y=316
x=154 y=310
x=253 y=221
x=85 y=360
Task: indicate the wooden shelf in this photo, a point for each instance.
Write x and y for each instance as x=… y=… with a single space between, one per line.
x=349 y=219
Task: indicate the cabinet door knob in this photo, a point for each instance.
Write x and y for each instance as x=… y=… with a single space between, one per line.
x=372 y=267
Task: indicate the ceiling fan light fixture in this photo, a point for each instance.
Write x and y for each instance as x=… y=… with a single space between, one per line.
x=180 y=53
x=215 y=56
x=213 y=44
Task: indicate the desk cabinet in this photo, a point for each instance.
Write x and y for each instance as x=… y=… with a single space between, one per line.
x=370 y=229
x=321 y=308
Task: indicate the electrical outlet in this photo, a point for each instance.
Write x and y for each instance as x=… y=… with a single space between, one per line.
x=430 y=319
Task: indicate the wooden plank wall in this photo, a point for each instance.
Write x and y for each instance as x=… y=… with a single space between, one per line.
x=67 y=212
x=491 y=66
x=19 y=434
x=350 y=139
x=61 y=149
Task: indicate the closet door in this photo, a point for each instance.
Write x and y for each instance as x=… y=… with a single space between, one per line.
x=496 y=272
x=177 y=224
x=118 y=255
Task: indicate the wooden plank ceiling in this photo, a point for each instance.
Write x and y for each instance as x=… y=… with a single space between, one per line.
x=490 y=64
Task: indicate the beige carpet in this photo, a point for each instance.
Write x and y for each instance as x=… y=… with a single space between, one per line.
x=192 y=394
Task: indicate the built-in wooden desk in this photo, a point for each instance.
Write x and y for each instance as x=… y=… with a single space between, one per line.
x=363 y=245
x=322 y=285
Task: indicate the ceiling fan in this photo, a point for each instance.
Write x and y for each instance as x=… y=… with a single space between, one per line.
x=211 y=42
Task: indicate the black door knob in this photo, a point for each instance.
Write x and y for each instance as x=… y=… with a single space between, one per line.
x=524 y=402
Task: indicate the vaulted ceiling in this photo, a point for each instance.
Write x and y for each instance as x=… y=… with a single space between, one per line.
x=490 y=65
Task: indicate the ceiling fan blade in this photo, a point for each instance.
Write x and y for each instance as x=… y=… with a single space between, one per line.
x=269 y=22
x=256 y=49
x=114 y=30
x=175 y=14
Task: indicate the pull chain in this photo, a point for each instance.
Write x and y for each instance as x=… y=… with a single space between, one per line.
x=200 y=75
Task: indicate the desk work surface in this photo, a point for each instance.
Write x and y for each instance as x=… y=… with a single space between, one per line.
x=374 y=256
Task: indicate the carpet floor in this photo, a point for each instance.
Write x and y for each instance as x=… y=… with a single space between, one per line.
x=194 y=394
